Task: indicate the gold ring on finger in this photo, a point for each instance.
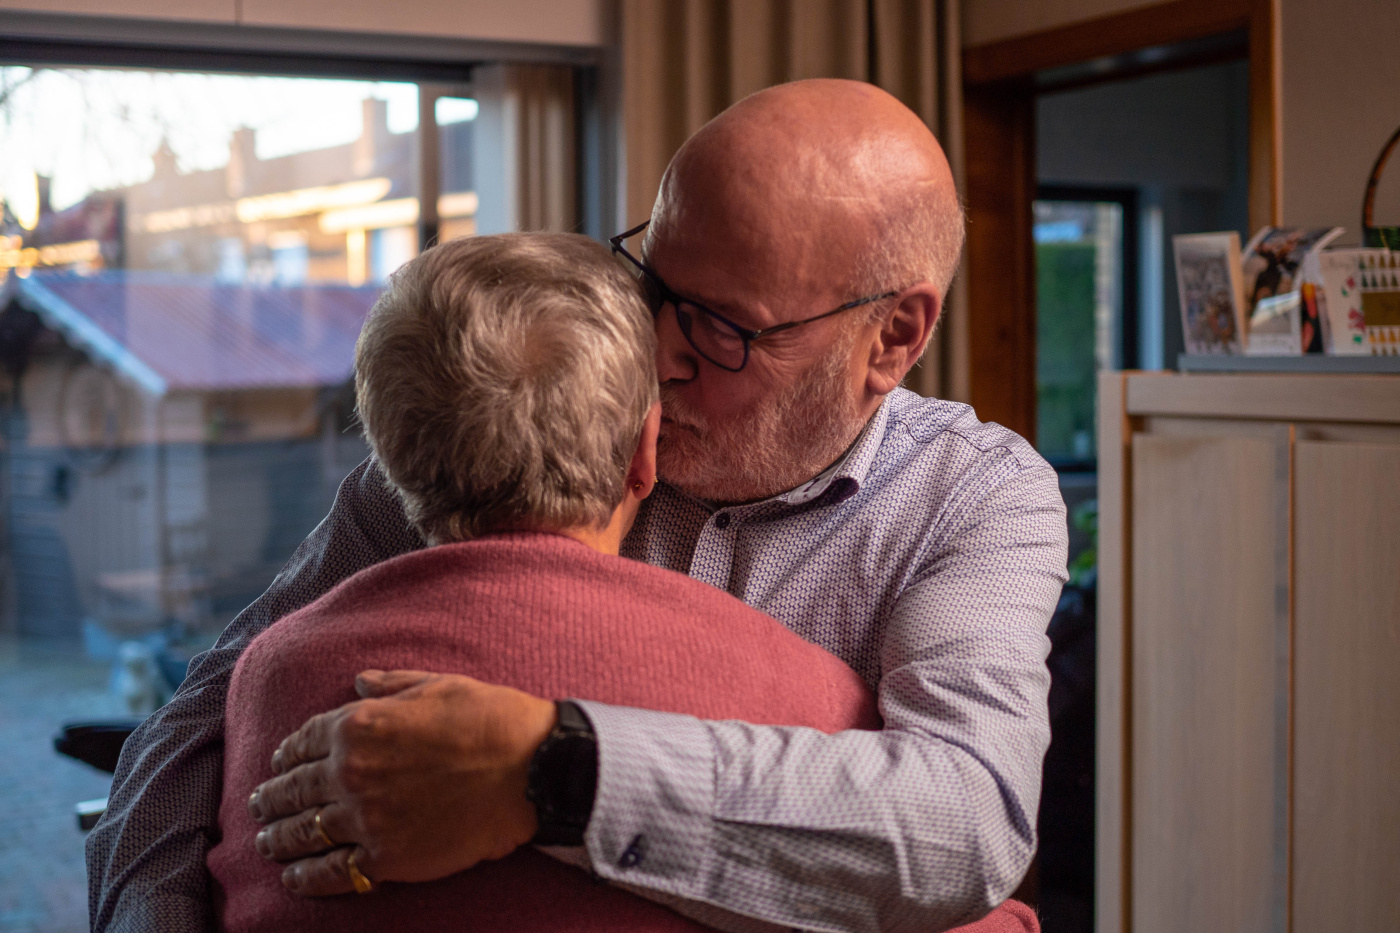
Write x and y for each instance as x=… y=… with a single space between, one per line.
x=321 y=830
x=362 y=884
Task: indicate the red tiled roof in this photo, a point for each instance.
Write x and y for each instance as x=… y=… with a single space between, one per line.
x=194 y=334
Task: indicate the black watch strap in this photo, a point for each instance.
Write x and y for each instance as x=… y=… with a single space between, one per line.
x=564 y=778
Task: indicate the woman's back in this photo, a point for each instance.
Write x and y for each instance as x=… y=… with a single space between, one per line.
x=538 y=612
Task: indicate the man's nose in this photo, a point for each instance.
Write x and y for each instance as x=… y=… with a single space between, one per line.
x=675 y=358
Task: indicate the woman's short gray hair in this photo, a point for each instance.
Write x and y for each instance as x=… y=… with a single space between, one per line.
x=503 y=382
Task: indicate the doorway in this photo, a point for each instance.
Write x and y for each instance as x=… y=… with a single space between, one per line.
x=1121 y=167
x=1089 y=147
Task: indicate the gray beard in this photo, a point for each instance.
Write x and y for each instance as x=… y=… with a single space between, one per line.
x=778 y=445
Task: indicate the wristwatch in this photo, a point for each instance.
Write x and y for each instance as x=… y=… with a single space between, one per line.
x=564 y=778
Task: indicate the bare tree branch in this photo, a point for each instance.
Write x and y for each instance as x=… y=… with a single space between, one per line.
x=7 y=90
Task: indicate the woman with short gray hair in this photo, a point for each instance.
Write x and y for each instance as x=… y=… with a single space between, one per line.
x=507 y=385
x=504 y=382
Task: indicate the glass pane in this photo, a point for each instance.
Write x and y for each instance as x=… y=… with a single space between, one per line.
x=185 y=263
x=1079 y=255
x=457 y=140
x=249 y=180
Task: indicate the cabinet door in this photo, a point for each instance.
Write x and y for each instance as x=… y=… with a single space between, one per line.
x=1209 y=778
x=1347 y=687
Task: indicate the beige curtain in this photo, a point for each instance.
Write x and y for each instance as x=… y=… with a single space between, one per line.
x=526 y=164
x=683 y=61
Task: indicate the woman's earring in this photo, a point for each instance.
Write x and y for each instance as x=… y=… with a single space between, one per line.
x=637 y=485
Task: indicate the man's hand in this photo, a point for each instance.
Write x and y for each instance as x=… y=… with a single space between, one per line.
x=426 y=776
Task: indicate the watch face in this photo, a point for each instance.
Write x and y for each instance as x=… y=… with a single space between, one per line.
x=571 y=774
x=564 y=778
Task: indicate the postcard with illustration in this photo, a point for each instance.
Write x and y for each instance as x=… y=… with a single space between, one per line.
x=1273 y=260
x=1211 y=292
x=1342 y=272
x=1275 y=327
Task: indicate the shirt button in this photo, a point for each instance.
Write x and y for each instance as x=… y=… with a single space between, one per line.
x=722 y=520
x=633 y=854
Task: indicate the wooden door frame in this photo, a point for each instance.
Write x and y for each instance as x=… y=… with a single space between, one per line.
x=999 y=139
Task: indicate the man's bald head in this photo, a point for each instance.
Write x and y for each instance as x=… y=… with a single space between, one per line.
x=796 y=200
x=828 y=176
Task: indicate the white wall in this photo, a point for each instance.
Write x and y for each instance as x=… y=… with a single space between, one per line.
x=554 y=22
x=1341 y=102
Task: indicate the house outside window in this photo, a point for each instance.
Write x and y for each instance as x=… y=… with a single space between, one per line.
x=185 y=263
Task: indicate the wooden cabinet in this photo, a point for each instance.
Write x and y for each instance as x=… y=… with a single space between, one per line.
x=1249 y=653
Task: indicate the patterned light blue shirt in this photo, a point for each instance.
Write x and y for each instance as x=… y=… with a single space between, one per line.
x=929 y=558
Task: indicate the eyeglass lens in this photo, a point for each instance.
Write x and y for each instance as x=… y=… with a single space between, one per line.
x=712 y=338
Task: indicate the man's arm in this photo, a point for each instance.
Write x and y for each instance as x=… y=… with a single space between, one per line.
x=145 y=857
x=925 y=825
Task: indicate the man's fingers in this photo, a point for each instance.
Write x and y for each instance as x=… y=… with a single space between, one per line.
x=324 y=874
x=309 y=743
x=372 y=684
x=296 y=836
x=302 y=788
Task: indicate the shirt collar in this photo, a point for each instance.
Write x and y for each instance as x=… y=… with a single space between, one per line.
x=843 y=478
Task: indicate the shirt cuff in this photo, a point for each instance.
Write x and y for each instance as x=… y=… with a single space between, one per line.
x=652 y=821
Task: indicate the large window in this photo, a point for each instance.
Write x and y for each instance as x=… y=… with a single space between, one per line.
x=235 y=179
x=185 y=262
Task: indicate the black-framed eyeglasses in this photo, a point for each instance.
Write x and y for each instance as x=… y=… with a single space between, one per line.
x=709 y=333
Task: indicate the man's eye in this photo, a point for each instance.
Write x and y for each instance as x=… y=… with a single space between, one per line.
x=727 y=338
x=716 y=331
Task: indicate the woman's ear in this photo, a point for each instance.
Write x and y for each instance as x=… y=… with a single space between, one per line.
x=641 y=475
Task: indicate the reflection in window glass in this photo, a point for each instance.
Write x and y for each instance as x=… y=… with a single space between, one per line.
x=185 y=263
x=1078 y=252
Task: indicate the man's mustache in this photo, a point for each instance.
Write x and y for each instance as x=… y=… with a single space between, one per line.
x=677 y=412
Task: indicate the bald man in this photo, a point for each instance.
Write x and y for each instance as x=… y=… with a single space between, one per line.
x=797 y=259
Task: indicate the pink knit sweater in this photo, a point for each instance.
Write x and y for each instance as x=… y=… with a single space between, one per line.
x=541 y=613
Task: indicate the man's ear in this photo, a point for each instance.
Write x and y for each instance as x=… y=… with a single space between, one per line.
x=904 y=332
x=641 y=474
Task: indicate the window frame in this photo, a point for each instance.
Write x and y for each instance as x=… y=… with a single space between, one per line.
x=435 y=63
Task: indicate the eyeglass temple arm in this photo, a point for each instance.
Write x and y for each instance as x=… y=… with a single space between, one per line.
x=753 y=335
x=617 y=241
